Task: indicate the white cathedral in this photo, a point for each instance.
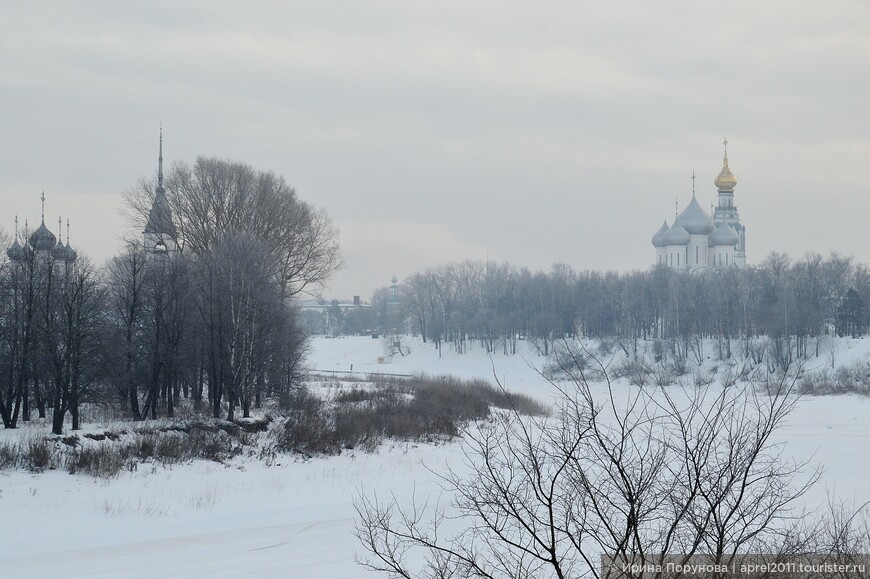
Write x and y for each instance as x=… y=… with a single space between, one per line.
x=697 y=241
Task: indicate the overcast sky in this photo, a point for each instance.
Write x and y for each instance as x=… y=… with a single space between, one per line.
x=530 y=132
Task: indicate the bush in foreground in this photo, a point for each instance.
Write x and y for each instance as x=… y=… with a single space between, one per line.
x=629 y=473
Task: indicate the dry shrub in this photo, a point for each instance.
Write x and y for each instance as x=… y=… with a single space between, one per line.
x=703 y=378
x=39 y=454
x=307 y=429
x=853 y=379
x=9 y=455
x=417 y=409
x=661 y=376
x=103 y=461
x=104 y=455
x=635 y=371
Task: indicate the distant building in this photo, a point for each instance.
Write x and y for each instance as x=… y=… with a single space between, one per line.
x=695 y=240
x=160 y=235
x=332 y=317
x=394 y=290
x=42 y=245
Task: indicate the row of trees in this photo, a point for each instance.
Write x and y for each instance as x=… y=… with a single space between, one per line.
x=498 y=303
x=51 y=338
x=211 y=322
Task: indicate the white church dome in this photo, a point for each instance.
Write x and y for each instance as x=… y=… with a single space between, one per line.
x=724 y=235
x=676 y=235
x=657 y=239
x=695 y=219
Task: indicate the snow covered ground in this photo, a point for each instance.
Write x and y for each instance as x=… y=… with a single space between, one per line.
x=516 y=373
x=295 y=518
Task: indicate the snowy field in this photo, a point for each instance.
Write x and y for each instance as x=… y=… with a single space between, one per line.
x=295 y=518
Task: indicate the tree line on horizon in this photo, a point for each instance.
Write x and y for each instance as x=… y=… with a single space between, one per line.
x=212 y=323
x=788 y=300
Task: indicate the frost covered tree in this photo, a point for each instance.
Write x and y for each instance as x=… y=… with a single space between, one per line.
x=218 y=315
x=125 y=284
x=793 y=304
x=215 y=197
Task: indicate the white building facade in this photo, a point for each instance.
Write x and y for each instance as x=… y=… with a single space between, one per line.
x=696 y=240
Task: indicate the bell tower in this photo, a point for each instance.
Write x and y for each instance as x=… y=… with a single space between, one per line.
x=726 y=210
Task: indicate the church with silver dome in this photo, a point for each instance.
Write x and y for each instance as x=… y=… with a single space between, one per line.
x=42 y=244
x=695 y=240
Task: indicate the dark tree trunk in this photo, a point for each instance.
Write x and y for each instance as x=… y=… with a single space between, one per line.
x=4 y=415
x=39 y=396
x=231 y=412
x=74 y=410
x=131 y=384
x=57 y=416
x=170 y=398
x=198 y=385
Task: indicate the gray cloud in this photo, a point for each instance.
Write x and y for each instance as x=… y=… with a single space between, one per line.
x=538 y=133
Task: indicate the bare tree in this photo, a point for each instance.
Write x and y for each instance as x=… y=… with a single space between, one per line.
x=251 y=301
x=165 y=313
x=125 y=281
x=69 y=327
x=634 y=474
x=83 y=309
x=19 y=310
x=217 y=196
x=248 y=245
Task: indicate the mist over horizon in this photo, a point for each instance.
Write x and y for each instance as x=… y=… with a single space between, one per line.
x=433 y=135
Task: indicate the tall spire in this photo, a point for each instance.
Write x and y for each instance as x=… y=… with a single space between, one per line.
x=693 y=183
x=67 y=231
x=725 y=144
x=160 y=161
x=16 y=228
x=160 y=229
x=43 y=207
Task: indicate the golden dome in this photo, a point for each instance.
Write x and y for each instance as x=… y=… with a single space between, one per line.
x=725 y=180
